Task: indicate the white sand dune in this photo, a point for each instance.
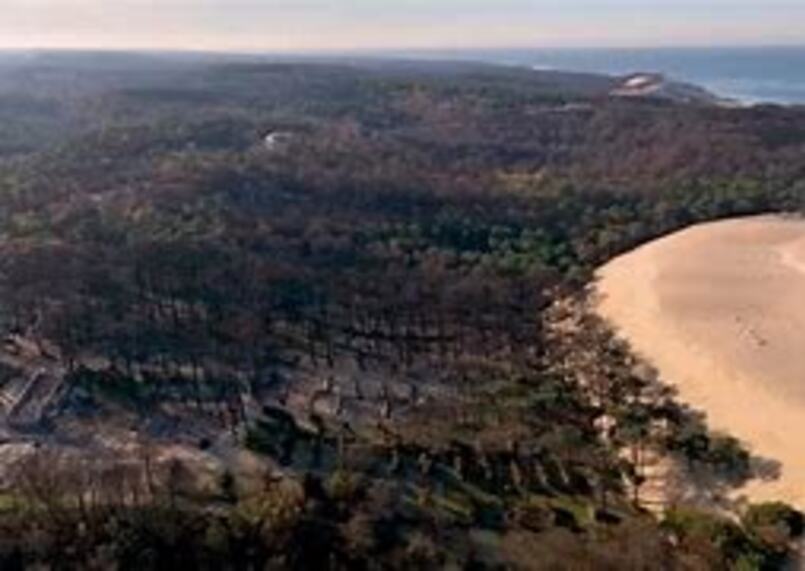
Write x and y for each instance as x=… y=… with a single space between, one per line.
x=719 y=310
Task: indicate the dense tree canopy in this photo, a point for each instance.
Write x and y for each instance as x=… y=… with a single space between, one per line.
x=374 y=300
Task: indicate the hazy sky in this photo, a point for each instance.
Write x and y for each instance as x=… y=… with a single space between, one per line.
x=345 y=24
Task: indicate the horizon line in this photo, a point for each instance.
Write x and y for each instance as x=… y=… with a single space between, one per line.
x=339 y=51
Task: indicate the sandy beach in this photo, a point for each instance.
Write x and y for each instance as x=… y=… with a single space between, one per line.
x=719 y=310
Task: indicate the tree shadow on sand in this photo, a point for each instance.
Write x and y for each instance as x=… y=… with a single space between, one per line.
x=706 y=467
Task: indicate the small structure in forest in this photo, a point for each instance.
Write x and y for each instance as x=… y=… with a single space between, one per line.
x=276 y=140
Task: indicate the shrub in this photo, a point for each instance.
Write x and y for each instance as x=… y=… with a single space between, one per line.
x=773 y=526
x=696 y=530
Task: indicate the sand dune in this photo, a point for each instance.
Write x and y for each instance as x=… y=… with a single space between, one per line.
x=719 y=309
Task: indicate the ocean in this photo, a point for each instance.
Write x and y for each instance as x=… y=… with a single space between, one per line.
x=751 y=75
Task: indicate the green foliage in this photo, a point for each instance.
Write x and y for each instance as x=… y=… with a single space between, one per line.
x=773 y=526
x=774 y=514
x=343 y=486
x=722 y=453
x=762 y=539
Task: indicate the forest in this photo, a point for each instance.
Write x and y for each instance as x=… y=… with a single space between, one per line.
x=352 y=295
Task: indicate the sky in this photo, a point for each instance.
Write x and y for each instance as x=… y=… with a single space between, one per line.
x=341 y=25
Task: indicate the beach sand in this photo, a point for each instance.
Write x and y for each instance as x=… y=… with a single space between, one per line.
x=719 y=310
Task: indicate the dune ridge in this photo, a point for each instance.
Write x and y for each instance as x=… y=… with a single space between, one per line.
x=719 y=310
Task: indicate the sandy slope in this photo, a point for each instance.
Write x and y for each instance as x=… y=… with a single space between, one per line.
x=719 y=309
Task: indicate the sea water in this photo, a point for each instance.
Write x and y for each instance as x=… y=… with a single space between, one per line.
x=749 y=74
